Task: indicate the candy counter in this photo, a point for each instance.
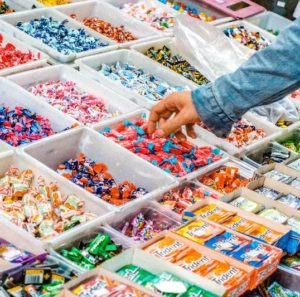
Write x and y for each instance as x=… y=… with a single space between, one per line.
x=91 y=204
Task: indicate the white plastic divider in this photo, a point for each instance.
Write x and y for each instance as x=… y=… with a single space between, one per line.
x=109 y=13
x=250 y=27
x=8 y=24
x=145 y=114
x=269 y=20
x=122 y=164
x=12 y=95
x=91 y=66
x=230 y=148
x=41 y=62
x=114 y=102
x=255 y=156
x=150 y=210
x=158 y=44
x=23 y=162
x=74 y=240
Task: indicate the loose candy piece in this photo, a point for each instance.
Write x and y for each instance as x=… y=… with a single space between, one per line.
x=278 y=176
x=40 y=209
x=150 y=12
x=251 y=39
x=96 y=179
x=296 y=183
x=59 y=36
x=93 y=252
x=176 y=63
x=54 y=2
x=178 y=157
x=189 y=10
x=67 y=97
x=21 y=126
x=4 y=8
x=179 y=199
x=295 y=165
x=224 y=180
x=274 y=215
x=294 y=223
x=292 y=262
x=270 y=193
x=275 y=154
x=247 y=204
x=290 y=200
x=213 y=213
x=144 y=83
x=278 y=290
x=10 y=56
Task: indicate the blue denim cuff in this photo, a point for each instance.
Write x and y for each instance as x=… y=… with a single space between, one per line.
x=211 y=112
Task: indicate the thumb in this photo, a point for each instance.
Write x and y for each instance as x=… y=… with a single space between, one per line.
x=174 y=124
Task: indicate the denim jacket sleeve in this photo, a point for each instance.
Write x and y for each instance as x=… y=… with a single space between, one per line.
x=266 y=77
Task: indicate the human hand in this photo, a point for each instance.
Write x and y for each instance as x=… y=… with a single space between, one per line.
x=173 y=112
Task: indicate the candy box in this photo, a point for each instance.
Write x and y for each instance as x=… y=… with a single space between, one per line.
x=91 y=67
x=112 y=15
x=104 y=274
x=157 y=267
x=41 y=58
x=23 y=162
x=240 y=285
x=141 y=223
x=9 y=22
x=115 y=103
x=77 y=240
x=143 y=115
x=98 y=149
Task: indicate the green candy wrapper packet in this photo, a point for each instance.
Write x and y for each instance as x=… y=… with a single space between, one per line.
x=195 y=291
x=276 y=290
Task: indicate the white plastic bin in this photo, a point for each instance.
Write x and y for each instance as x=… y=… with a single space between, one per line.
x=122 y=164
x=109 y=13
x=269 y=20
x=231 y=149
x=91 y=65
x=29 y=4
x=23 y=162
x=24 y=48
x=249 y=27
x=198 y=142
x=68 y=242
x=11 y=20
x=12 y=95
x=16 y=5
x=158 y=44
x=113 y=101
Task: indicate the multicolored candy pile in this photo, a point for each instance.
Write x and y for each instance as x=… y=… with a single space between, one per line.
x=178 y=157
x=253 y=40
x=293 y=143
x=190 y=10
x=90 y=253
x=4 y=8
x=21 y=126
x=177 y=64
x=144 y=226
x=110 y=287
x=59 y=36
x=224 y=180
x=96 y=179
x=68 y=98
x=43 y=277
x=54 y=2
x=181 y=198
x=144 y=83
x=41 y=210
x=10 y=56
x=150 y=12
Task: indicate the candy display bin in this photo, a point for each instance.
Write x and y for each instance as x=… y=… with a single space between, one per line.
x=269 y=20
x=91 y=66
x=17 y=5
x=110 y=14
x=122 y=164
x=23 y=162
x=113 y=101
x=9 y=22
x=41 y=62
x=74 y=240
x=255 y=157
x=198 y=142
x=12 y=95
x=271 y=133
x=162 y=219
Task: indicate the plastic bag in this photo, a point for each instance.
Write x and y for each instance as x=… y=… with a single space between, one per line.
x=283 y=109
x=208 y=48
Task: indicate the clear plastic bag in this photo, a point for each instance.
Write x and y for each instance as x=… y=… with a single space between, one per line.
x=283 y=109
x=207 y=47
